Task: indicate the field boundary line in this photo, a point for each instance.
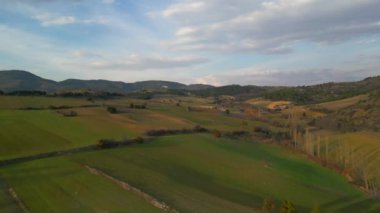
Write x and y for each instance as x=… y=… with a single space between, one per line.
x=150 y=199
x=14 y=195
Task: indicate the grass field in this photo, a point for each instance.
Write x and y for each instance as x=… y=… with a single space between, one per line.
x=203 y=174
x=31 y=132
x=7 y=204
x=191 y=173
x=58 y=185
x=365 y=150
x=340 y=104
x=16 y=102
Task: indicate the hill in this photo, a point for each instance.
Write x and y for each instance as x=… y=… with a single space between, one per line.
x=325 y=92
x=21 y=80
x=362 y=115
x=17 y=80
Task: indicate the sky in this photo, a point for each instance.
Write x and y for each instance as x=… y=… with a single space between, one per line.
x=217 y=42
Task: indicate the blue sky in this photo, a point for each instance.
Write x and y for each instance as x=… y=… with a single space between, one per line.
x=272 y=42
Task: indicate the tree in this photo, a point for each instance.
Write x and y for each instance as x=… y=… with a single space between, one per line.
x=268 y=206
x=287 y=207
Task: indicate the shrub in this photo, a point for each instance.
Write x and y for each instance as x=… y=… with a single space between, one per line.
x=112 y=110
x=139 y=140
x=264 y=130
x=70 y=114
x=107 y=143
x=287 y=207
x=160 y=132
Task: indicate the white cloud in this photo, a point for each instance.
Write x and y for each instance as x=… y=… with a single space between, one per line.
x=181 y=8
x=264 y=76
x=271 y=26
x=138 y=62
x=47 y=20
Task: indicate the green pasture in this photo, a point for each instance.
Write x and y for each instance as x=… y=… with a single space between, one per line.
x=31 y=132
x=16 y=102
x=197 y=173
x=7 y=204
x=58 y=185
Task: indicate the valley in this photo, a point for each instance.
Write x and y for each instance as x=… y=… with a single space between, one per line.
x=248 y=152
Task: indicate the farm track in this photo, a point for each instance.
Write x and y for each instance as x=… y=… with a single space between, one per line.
x=19 y=202
x=150 y=199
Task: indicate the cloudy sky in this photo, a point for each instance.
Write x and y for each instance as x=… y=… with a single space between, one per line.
x=273 y=42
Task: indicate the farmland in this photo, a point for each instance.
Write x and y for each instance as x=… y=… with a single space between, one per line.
x=187 y=172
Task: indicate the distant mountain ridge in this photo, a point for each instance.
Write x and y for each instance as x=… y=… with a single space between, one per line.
x=16 y=80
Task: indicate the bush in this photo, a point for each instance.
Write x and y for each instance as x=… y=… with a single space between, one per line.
x=137 y=106
x=287 y=207
x=70 y=114
x=237 y=134
x=139 y=140
x=264 y=130
x=161 y=132
x=107 y=143
x=112 y=110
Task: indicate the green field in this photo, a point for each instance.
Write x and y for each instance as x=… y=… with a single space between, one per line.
x=16 y=102
x=58 y=185
x=190 y=173
x=7 y=204
x=203 y=174
x=31 y=132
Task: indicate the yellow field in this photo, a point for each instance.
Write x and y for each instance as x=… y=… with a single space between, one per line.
x=340 y=104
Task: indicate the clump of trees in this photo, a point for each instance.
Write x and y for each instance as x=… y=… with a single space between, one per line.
x=333 y=153
x=237 y=134
x=107 y=143
x=111 y=143
x=70 y=113
x=137 y=106
x=59 y=107
x=27 y=93
x=162 y=132
x=279 y=136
